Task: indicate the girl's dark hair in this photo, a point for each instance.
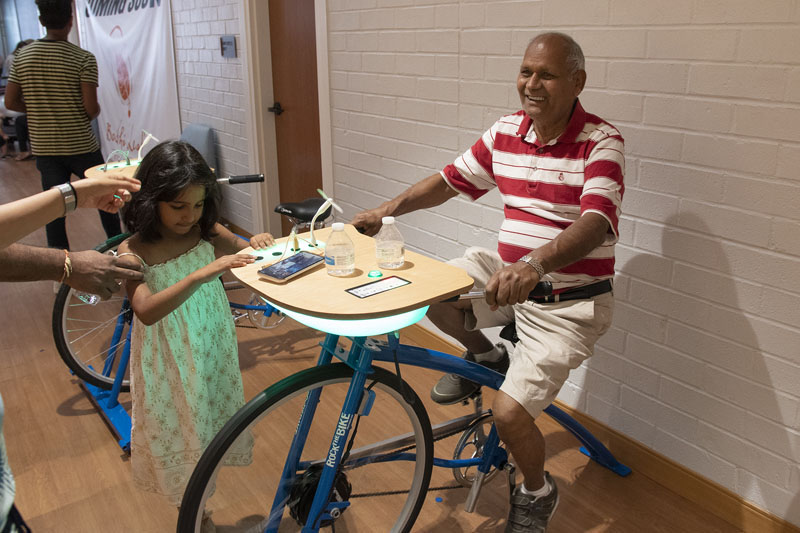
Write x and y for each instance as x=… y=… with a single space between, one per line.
x=54 y=14
x=165 y=172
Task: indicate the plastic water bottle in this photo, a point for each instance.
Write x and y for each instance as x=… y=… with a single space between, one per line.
x=340 y=252
x=389 y=245
x=88 y=298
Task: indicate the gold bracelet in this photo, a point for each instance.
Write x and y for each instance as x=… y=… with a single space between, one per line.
x=67 y=267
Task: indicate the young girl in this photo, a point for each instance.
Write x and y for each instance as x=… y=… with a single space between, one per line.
x=185 y=378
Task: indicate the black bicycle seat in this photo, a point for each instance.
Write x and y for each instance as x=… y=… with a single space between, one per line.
x=303 y=211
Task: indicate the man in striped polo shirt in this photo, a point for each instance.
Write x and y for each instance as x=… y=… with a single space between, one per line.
x=559 y=171
x=55 y=83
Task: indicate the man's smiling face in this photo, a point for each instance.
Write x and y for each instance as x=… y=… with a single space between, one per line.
x=547 y=88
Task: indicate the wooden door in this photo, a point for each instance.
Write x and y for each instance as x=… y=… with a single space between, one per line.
x=294 y=82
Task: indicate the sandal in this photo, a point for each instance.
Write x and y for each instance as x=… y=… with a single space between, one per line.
x=23 y=156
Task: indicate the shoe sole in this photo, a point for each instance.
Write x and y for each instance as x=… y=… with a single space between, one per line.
x=460 y=399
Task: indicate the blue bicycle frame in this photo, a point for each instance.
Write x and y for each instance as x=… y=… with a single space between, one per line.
x=362 y=353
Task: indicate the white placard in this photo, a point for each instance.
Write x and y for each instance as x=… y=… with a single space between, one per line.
x=377 y=287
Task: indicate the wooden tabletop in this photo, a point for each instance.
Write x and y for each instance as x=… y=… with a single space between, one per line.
x=317 y=294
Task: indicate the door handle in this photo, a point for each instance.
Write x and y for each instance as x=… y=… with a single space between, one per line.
x=277 y=109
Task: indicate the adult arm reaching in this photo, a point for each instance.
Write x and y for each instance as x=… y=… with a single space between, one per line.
x=21 y=217
x=429 y=192
x=92 y=271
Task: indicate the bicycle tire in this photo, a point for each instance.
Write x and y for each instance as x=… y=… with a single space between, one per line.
x=80 y=330
x=207 y=481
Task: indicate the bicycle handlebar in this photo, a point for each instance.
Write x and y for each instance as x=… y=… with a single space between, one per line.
x=543 y=288
x=248 y=178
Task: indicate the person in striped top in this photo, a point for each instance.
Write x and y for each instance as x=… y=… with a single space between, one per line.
x=559 y=171
x=55 y=83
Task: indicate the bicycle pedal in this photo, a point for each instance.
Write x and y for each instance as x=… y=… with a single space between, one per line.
x=476 y=396
x=511 y=471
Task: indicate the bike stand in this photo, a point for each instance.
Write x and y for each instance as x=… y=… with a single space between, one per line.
x=592 y=448
x=114 y=415
x=107 y=401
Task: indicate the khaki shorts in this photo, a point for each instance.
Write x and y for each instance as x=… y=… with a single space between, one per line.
x=554 y=337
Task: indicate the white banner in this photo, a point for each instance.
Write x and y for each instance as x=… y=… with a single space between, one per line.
x=132 y=41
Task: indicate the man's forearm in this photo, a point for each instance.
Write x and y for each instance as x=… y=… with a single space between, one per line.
x=574 y=243
x=430 y=192
x=20 y=262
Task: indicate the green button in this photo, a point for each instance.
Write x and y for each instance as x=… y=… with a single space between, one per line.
x=374 y=274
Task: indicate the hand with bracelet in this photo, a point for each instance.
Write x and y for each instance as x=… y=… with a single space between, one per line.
x=21 y=217
x=87 y=271
x=512 y=284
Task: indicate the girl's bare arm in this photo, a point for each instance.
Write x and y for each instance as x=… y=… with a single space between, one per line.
x=150 y=307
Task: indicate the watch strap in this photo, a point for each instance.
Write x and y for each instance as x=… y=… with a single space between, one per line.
x=68 y=195
x=534 y=264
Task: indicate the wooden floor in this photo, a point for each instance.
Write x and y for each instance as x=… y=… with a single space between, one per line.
x=72 y=476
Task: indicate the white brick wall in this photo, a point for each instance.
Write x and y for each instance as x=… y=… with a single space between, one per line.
x=703 y=361
x=211 y=91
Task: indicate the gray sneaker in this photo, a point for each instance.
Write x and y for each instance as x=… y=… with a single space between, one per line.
x=529 y=514
x=452 y=388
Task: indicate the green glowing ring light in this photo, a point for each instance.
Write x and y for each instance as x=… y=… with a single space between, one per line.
x=365 y=327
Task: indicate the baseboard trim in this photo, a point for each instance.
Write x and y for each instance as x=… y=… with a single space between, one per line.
x=710 y=495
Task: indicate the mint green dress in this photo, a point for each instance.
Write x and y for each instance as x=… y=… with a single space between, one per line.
x=185 y=379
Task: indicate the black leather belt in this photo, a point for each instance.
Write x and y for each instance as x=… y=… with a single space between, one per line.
x=578 y=293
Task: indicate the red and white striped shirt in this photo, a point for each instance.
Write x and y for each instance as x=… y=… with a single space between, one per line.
x=547 y=187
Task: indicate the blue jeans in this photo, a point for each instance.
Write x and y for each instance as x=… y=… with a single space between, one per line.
x=56 y=169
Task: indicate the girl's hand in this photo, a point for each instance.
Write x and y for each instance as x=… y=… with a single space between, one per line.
x=214 y=270
x=261 y=241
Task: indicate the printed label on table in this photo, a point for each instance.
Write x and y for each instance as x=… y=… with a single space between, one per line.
x=376 y=287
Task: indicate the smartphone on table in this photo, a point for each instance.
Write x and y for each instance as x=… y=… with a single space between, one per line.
x=292 y=266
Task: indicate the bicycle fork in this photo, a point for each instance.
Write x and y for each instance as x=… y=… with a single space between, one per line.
x=357 y=402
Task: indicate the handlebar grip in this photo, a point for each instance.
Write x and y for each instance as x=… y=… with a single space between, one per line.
x=248 y=178
x=543 y=288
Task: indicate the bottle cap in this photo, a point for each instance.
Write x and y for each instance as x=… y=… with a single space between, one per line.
x=387 y=220
x=338 y=226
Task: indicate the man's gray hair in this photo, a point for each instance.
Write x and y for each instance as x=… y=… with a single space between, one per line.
x=575 y=59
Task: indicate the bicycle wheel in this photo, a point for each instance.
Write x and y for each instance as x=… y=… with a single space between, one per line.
x=90 y=338
x=380 y=493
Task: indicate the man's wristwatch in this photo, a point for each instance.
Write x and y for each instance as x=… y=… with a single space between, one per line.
x=68 y=195
x=534 y=264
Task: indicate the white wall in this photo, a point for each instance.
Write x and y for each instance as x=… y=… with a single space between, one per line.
x=702 y=363
x=211 y=91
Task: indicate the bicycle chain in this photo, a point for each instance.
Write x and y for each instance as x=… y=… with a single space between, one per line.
x=449 y=434
x=395 y=492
